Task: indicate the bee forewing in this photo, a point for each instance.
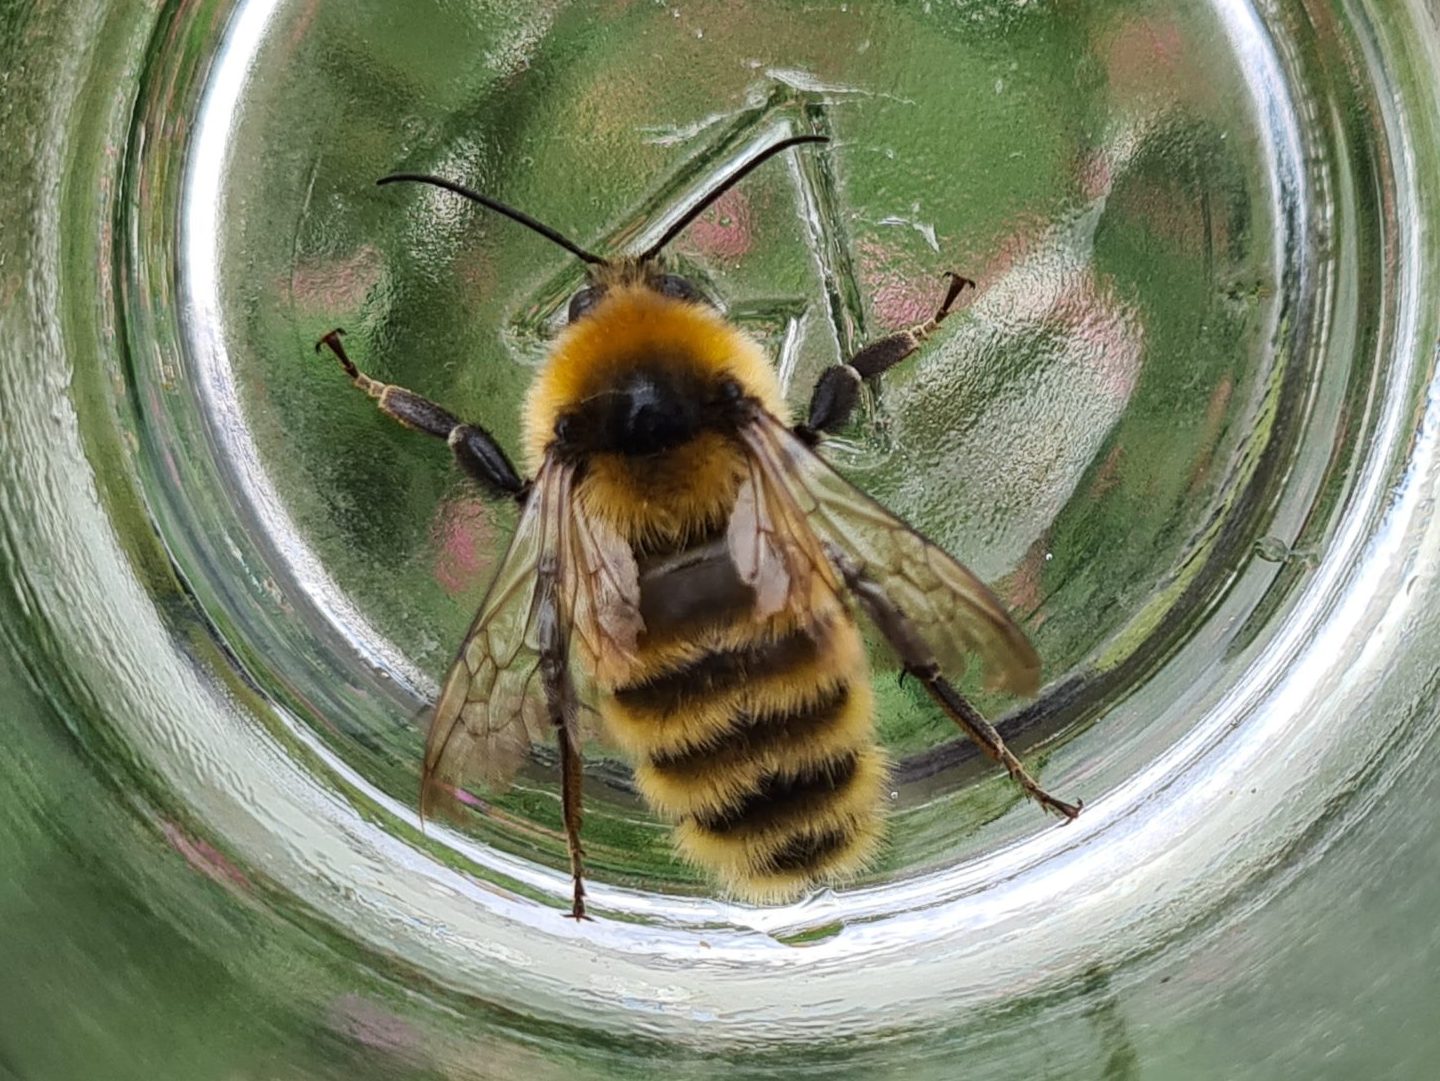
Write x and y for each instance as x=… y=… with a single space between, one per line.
x=563 y=566
x=602 y=589
x=773 y=548
x=948 y=607
x=479 y=725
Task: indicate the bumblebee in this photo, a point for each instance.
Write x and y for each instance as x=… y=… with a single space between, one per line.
x=687 y=564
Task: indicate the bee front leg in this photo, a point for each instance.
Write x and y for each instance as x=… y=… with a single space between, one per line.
x=838 y=388
x=474 y=448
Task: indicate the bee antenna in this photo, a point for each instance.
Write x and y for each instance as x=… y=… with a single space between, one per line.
x=724 y=186
x=500 y=208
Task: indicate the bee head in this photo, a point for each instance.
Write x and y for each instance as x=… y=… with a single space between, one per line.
x=651 y=409
x=647 y=274
x=646 y=366
x=645 y=394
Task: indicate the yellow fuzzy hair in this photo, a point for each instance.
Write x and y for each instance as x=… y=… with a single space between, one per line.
x=669 y=497
x=633 y=321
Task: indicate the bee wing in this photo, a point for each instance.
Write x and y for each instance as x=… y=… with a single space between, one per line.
x=773 y=544
x=490 y=701
x=564 y=577
x=601 y=597
x=946 y=607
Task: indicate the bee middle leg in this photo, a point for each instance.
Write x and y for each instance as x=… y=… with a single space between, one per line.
x=474 y=448
x=838 y=388
x=563 y=706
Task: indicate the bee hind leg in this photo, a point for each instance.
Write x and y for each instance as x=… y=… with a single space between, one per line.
x=918 y=660
x=983 y=733
x=475 y=449
x=838 y=388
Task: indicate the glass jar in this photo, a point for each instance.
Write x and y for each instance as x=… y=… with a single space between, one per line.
x=1186 y=428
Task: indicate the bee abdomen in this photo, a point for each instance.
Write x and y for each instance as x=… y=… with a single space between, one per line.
x=792 y=830
x=806 y=851
x=716 y=672
x=756 y=740
x=756 y=734
x=779 y=796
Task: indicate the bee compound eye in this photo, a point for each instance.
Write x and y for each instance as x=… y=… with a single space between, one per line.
x=677 y=288
x=564 y=427
x=583 y=301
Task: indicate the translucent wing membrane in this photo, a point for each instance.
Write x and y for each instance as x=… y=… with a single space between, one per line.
x=774 y=549
x=602 y=597
x=948 y=607
x=566 y=579
x=491 y=704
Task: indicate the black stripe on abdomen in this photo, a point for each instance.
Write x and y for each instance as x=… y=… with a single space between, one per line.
x=719 y=671
x=752 y=734
x=778 y=797
x=805 y=851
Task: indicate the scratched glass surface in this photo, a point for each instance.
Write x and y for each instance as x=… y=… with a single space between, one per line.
x=1185 y=426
